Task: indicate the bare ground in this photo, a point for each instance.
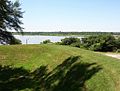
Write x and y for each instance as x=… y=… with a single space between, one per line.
x=113 y=55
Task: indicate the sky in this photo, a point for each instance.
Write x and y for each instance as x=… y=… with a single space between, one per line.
x=71 y=15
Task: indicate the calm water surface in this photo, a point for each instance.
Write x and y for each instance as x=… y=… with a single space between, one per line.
x=29 y=39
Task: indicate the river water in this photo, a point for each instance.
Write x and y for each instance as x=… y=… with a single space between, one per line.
x=36 y=39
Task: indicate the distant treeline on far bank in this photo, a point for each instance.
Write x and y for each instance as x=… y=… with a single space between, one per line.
x=65 y=33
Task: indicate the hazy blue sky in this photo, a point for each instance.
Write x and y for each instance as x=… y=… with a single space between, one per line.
x=71 y=15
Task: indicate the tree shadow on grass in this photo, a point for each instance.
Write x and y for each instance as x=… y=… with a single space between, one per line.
x=70 y=75
x=14 y=78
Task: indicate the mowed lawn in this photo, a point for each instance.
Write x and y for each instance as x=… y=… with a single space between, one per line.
x=56 y=68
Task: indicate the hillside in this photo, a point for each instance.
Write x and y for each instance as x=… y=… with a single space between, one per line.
x=56 y=68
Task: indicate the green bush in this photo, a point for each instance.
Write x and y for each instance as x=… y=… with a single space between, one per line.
x=118 y=43
x=76 y=44
x=87 y=42
x=46 y=41
x=69 y=41
x=58 y=43
x=95 y=47
x=100 y=43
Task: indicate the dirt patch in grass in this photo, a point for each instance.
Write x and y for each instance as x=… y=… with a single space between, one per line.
x=113 y=55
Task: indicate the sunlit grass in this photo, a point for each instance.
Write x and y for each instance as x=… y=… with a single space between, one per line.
x=31 y=57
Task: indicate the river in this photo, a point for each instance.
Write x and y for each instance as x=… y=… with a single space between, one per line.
x=36 y=39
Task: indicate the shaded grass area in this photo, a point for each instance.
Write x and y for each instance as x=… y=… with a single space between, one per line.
x=44 y=68
x=71 y=75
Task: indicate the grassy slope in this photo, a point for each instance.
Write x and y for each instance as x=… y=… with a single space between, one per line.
x=33 y=56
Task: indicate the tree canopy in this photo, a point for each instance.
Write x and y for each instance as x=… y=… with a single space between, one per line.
x=10 y=15
x=102 y=43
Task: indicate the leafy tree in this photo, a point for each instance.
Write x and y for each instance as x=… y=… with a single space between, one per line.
x=118 y=43
x=100 y=43
x=108 y=43
x=96 y=47
x=87 y=42
x=15 y=41
x=10 y=15
x=76 y=44
x=46 y=41
x=69 y=41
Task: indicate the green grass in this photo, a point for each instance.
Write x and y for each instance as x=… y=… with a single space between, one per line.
x=56 y=68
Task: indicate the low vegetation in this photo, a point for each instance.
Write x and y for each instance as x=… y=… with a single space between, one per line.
x=46 y=41
x=75 y=42
x=56 y=68
x=102 y=43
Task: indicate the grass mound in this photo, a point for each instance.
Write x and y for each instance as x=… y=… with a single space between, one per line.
x=56 y=68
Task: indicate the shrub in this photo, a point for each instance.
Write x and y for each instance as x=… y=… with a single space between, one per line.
x=58 y=43
x=118 y=43
x=76 y=44
x=69 y=41
x=100 y=43
x=46 y=41
x=87 y=42
x=95 y=47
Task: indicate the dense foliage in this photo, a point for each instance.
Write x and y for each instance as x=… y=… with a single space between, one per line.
x=66 y=33
x=10 y=15
x=71 y=41
x=15 y=41
x=102 y=43
x=118 y=43
x=46 y=41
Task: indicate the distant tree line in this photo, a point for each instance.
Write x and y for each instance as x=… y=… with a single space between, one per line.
x=66 y=33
